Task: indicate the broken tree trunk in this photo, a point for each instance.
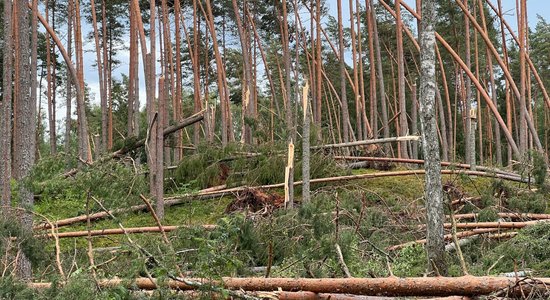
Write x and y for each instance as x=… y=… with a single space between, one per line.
x=391 y=286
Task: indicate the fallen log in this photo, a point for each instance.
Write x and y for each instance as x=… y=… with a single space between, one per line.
x=184 y=123
x=447 y=237
x=514 y=216
x=421 y=162
x=203 y=194
x=368 y=142
x=116 y=231
x=178 y=199
x=391 y=286
x=507 y=225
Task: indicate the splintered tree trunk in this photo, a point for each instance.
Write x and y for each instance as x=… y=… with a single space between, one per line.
x=403 y=125
x=430 y=143
x=343 y=91
x=288 y=107
x=247 y=82
x=6 y=111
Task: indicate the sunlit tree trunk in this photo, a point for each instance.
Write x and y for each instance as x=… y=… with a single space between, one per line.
x=343 y=90
x=68 y=115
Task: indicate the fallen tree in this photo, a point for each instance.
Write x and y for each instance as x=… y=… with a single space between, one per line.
x=514 y=216
x=140 y=143
x=209 y=193
x=390 y=286
x=507 y=225
x=115 y=231
x=368 y=142
x=447 y=237
x=421 y=162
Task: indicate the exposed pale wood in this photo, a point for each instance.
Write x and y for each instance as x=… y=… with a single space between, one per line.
x=117 y=231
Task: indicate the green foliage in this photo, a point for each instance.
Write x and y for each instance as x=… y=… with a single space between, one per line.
x=528 y=202
x=540 y=169
x=212 y=167
x=32 y=247
x=529 y=249
x=113 y=183
x=487 y=215
x=411 y=261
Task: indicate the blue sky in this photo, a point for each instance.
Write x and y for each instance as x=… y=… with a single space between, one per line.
x=534 y=7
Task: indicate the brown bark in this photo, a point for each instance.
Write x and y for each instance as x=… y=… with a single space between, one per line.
x=6 y=109
x=403 y=123
x=84 y=152
x=391 y=286
x=178 y=106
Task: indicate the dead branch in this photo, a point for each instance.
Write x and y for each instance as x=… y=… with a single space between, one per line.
x=116 y=231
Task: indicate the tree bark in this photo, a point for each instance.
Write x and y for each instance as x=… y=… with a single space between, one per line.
x=430 y=143
x=24 y=117
x=391 y=286
x=6 y=110
x=403 y=123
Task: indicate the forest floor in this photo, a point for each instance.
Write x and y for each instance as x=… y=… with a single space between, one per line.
x=363 y=217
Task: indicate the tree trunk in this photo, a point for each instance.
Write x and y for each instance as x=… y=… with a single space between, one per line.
x=69 y=83
x=430 y=143
x=6 y=111
x=306 y=196
x=403 y=123
x=380 y=77
x=25 y=116
x=343 y=90
x=289 y=118
x=100 y=73
x=84 y=150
